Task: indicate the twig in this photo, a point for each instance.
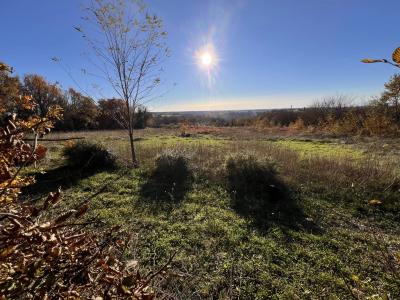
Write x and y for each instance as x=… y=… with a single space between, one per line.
x=13 y=216
x=77 y=224
x=390 y=185
x=147 y=281
x=56 y=140
x=350 y=290
x=390 y=63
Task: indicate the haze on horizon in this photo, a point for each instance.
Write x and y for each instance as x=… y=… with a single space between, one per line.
x=225 y=54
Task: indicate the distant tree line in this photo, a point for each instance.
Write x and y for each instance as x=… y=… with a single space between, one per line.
x=80 y=112
x=336 y=115
x=317 y=114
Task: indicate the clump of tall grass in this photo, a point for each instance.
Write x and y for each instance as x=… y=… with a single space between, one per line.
x=89 y=156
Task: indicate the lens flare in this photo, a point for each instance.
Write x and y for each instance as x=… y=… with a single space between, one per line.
x=206 y=57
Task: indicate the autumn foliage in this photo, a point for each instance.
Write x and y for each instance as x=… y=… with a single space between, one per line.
x=45 y=257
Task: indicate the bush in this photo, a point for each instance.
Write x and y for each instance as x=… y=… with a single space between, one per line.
x=89 y=157
x=254 y=185
x=171 y=178
x=44 y=257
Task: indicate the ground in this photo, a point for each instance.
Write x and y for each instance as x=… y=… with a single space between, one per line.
x=332 y=244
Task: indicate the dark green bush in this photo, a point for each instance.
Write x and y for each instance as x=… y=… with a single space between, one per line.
x=89 y=157
x=254 y=185
x=171 y=178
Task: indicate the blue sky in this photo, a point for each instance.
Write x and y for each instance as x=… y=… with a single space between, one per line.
x=272 y=53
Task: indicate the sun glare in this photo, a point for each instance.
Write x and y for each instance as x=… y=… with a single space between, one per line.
x=206 y=57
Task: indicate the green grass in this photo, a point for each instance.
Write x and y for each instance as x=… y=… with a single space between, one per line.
x=172 y=140
x=312 y=148
x=217 y=248
x=221 y=254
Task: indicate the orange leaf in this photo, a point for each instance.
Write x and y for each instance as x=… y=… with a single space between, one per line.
x=396 y=55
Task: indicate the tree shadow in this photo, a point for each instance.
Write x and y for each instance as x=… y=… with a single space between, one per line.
x=168 y=183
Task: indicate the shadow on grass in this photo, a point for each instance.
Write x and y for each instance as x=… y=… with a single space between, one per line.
x=281 y=209
x=83 y=159
x=258 y=194
x=64 y=177
x=168 y=183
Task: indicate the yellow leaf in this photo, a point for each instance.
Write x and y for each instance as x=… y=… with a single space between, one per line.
x=374 y=202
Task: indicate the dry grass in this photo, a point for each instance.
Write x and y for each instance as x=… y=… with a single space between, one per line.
x=219 y=249
x=349 y=173
x=209 y=152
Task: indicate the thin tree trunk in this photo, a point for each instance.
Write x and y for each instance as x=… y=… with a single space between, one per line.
x=133 y=152
x=130 y=132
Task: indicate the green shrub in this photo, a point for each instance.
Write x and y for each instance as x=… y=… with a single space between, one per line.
x=89 y=157
x=254 y=185
x=171 y=178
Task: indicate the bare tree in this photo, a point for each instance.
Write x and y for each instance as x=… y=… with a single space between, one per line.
x=129 y=45
x=331 y=106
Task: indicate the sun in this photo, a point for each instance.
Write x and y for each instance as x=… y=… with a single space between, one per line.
x=206 y=59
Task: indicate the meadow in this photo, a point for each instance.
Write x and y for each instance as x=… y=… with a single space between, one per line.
x=332 y=242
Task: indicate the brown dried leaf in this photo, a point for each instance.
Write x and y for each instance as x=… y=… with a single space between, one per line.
x=82 y=210
x=8 y=251
x=64 y=216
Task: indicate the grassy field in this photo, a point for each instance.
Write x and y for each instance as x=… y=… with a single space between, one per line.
x=331 y=245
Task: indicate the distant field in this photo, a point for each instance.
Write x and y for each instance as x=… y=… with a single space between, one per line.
x=221 y=254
